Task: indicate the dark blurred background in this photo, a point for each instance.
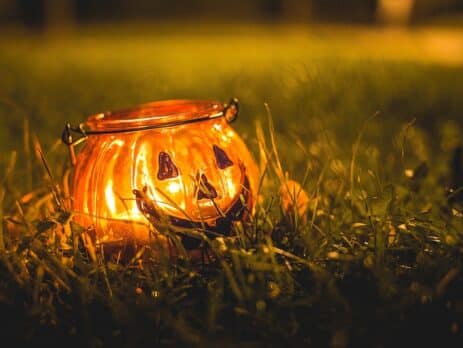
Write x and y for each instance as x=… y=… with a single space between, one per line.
x=41 y=14
x=320 y=61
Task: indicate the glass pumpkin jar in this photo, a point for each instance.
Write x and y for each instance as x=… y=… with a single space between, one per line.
x=175 y=162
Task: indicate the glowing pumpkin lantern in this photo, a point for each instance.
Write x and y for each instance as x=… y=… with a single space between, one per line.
x=176 y=159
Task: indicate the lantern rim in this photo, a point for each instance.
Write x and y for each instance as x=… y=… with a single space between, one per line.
x=156 y=114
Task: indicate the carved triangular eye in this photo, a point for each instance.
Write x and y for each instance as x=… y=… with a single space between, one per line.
x=221 y=158
x=205 y=189
x=167 y=168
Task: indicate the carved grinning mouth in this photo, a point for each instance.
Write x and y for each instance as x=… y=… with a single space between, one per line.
x=222 y=225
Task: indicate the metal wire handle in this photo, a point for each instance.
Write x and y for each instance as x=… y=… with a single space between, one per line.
x=230 y=113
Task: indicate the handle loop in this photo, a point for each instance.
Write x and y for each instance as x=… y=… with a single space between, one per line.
x=67 y=139
x=231 y=110
x=230 y=113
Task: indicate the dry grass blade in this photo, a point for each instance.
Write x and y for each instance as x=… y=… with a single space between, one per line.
x=446 y=280
x=2 y=239
x=25 y=221
x=42 y=160
x=265 y=159
x=355 y=150
x=277 y=163
x=6 y=179
x=27 y=154
x=50 y=271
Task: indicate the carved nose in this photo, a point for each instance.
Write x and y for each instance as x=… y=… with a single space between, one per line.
x=221 y=158
x=205 y=189
x=167 y=168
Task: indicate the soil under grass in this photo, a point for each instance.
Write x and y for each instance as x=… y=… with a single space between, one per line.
x=371 y=131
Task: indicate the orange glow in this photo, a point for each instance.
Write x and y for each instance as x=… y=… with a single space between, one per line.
x=189 y=165
x=395 y=11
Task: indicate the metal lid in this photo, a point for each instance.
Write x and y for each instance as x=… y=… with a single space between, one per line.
x=160 y=114
x=155 y=115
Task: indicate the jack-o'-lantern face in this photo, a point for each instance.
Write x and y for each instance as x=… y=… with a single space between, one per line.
x=192 y=179
x=192 y=168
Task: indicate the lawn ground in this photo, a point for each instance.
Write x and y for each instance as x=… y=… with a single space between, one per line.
x=367 y=120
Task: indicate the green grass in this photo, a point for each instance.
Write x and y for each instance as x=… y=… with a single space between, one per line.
x=369 y=122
